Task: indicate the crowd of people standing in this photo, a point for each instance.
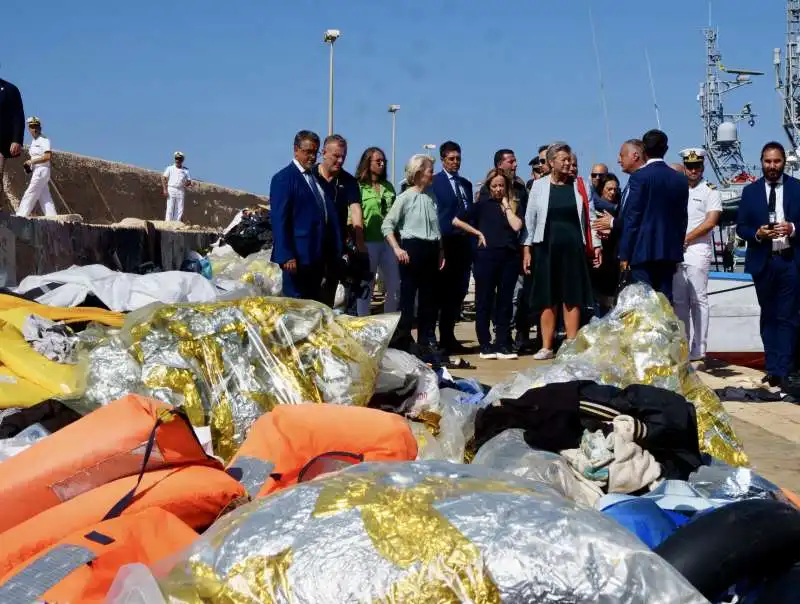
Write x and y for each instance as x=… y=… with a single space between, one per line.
x=552 y=251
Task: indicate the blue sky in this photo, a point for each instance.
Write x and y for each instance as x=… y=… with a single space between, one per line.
x=229 y=83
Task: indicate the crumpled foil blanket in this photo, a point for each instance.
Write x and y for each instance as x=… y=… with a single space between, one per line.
x=227 y=363
x=419 y=532
x=640 y=341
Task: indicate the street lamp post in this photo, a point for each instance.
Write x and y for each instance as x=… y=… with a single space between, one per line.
x=429 y=149
x=393 y=109
x=331 y=36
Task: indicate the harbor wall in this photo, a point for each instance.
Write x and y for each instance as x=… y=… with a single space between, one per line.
x=105 y=192
x=36 y=246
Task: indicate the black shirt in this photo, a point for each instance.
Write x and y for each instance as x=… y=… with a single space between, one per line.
x=343 y=190
x=488 y=217
x=520 y=192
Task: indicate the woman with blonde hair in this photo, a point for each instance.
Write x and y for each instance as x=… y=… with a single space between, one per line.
x=413 y=217
x=496 y=265
x=558 y=239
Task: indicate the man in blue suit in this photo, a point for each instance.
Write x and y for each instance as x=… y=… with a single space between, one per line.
x=655 y=218
x=307 y=242
x=12 y=128
x=768 y=213
x=454 y=199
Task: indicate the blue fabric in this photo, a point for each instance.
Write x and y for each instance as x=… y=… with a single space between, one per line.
x=753 y=214
x=299 y=228
x=601 y=205
x=657 y=275
x=447 y=204
x=776 y=290
x=655 y=215
x=646 y=520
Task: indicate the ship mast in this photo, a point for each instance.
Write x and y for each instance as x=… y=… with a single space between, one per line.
x=788 y=85
x=722 y=143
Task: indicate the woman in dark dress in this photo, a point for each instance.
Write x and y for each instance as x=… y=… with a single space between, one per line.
x=496 y=265
x=556 y=249
x=605 y=278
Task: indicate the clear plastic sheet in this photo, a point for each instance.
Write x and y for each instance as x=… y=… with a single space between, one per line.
x=400 y=371
x=640 y=341
x=230 y=272
x=11 y=446
x=508 y=452
x=227 y=363
x=419 y=532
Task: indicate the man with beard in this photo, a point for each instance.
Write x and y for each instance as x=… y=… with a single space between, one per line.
x=768 y=213
x=690 y=284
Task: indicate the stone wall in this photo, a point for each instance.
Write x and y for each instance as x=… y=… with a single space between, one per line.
x=37 y=246
x=105 y=192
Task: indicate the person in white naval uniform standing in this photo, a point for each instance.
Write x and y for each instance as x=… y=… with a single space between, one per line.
x=39 y=167
x=175 y=181
x=690 y=284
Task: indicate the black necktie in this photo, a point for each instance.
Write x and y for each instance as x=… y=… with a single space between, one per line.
x=772 y=197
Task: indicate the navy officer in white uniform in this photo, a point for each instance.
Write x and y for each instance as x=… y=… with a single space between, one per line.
x=690 y=283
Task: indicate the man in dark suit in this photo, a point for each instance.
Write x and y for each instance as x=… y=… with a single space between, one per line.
x=305 y=224
x=768 y=213
x=454 y=199
x=12 y=127
x=654 y=218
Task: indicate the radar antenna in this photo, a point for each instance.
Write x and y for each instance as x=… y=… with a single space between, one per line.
x=722 y=143
x=788 y=83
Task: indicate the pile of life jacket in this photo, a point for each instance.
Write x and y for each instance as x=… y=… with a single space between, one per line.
x=130 y=482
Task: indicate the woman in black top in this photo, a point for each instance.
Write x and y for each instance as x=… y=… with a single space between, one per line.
x=605 y=278
x=496 y=265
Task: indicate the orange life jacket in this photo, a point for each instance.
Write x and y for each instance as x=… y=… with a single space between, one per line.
x=294 y=443
x=197 y=495
x=105 y=445
x=81 y=567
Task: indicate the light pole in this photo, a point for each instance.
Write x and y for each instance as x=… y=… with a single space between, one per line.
x=393 y=109
x=429 y=149
x=331 y=36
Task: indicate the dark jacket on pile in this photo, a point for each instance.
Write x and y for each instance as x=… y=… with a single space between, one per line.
x=555 y=416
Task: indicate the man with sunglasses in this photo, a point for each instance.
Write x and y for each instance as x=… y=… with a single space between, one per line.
x=539 y=167
x=305 y=224
x=599 y=172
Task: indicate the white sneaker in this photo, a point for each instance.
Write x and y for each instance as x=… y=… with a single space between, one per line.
x=507 y=356
x=545 y=354
x=488 y=356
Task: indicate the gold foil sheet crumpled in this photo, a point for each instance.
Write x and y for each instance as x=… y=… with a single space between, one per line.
x=227 y=363
x=256 y=272
x=640 y=341
x=418 y=532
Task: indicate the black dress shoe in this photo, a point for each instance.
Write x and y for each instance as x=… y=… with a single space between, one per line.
x=772 y=380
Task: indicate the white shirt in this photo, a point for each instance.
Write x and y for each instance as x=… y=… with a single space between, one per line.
x=38 y=148
x=652 y=161
x=176 y=177
x=702 y=200
x=780 y=243
x=456 y=185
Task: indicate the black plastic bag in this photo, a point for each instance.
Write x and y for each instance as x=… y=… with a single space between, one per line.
x=252 y=234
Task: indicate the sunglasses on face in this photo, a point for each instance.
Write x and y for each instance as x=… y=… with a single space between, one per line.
x=598 y=174
x=537 y=162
